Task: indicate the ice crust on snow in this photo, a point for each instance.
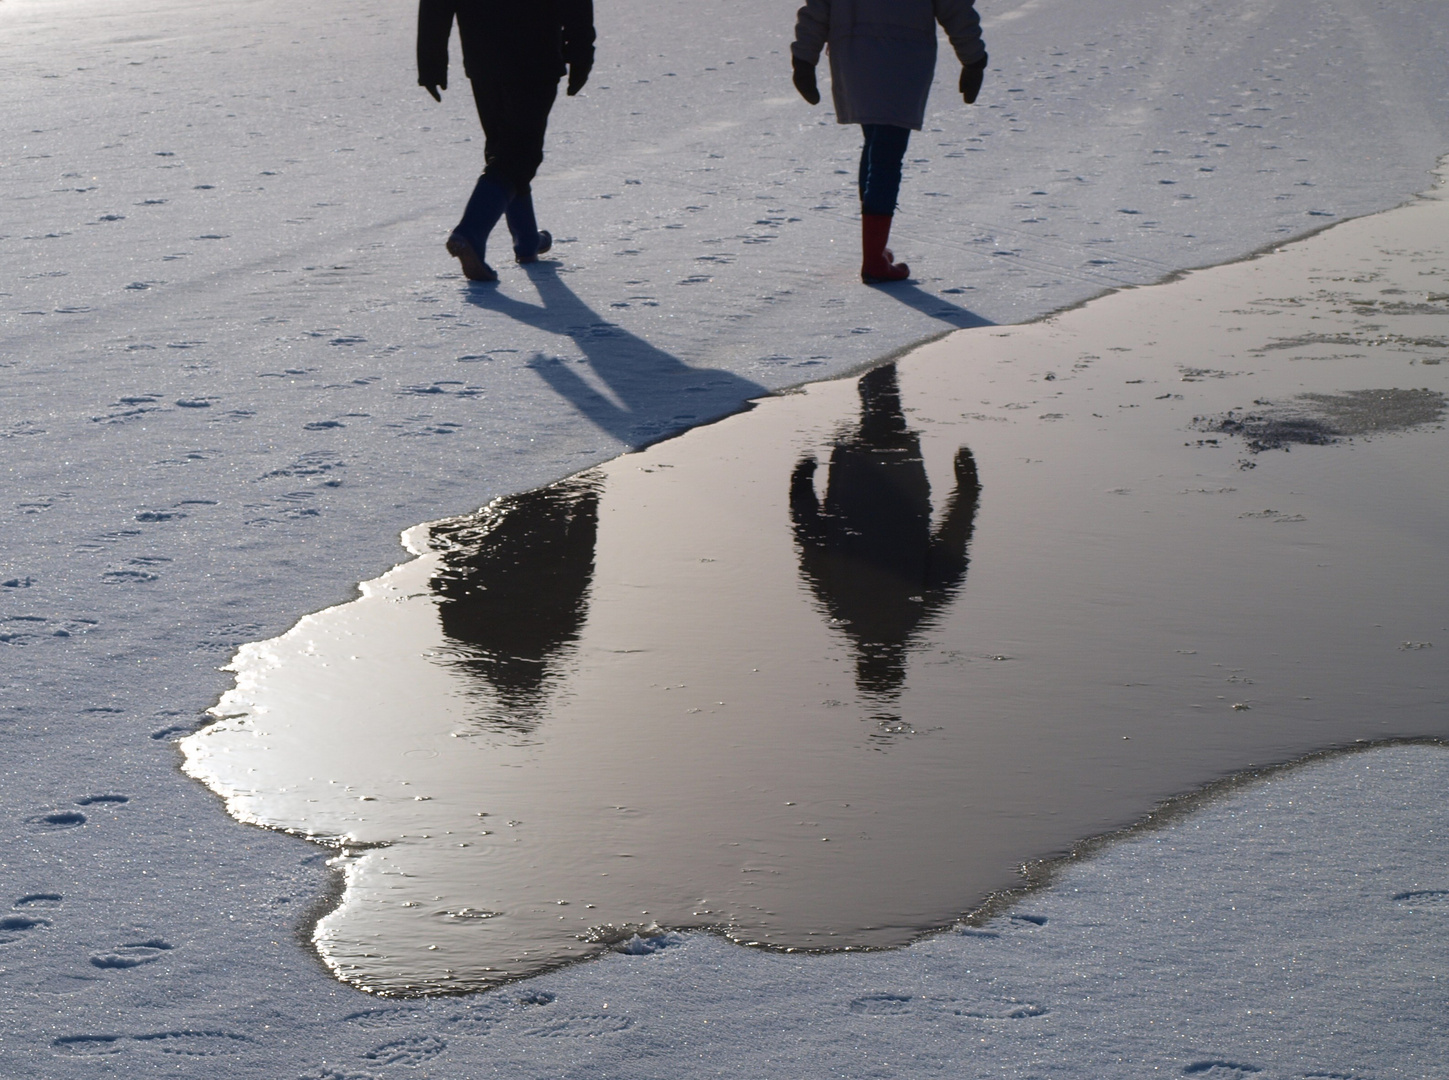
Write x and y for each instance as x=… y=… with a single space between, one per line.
x=194 y=463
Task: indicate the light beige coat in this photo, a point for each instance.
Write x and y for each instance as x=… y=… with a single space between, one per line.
x=883 y=52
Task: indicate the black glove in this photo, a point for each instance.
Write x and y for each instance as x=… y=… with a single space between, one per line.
x=434 y=86
x=578 y=75
x=971 y=76
x=804 y=80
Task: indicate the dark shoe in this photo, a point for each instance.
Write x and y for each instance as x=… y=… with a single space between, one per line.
x=545 y=241
x=474 y=268
x=878 y=264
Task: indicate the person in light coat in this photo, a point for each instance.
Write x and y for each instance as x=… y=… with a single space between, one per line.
x=882 y=61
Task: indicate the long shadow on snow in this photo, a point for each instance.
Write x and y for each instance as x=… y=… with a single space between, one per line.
x=935 y=306
x=649 y=384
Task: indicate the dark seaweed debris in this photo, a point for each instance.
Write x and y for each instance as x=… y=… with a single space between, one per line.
x=1323 y=419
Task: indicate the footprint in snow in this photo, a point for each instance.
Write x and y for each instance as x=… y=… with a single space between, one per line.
x=172 y=731
x=187 y=1044
x=14 y=927
x=476 y=1021
x=882 y=1005
x=192 y=1044
x=410 y=1050
x=89 y=1045
x=1003 y=1008
x=31 y=901
x=55 y=820
x=1424 y=899
x=380 y=1018
x=132 y=954
x=581 y=1027
x=1220 y=1070
x=93 y=800
x=1011 y=924
x=128 y=577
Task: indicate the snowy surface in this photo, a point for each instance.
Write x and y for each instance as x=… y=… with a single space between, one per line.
x=236 y=364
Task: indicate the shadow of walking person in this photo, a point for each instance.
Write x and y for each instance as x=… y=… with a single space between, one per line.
x=868 y=551
x=654 y=394
x=933 y=305
x=513 y=593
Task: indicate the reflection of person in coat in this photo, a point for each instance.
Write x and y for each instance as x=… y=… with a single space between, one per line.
x=513 y=590
x=868 y=552
x=514 y=53
x=882 y=60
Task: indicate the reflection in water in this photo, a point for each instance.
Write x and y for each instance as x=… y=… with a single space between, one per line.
x=869 y=553
x=1164 y=630
x=513 y=591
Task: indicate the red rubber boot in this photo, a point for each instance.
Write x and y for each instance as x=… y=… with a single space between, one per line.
x=877 y=266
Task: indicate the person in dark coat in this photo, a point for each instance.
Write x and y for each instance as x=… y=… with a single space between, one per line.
x=882 y=61
x=514 y=53
x=513 y=593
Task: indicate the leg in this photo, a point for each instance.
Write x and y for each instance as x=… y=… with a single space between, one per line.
x=514 y=153
x=867 y=130
x=532 y=104
x=880 y=163
x=514 y=117
x=468 y=242
x=881 y=157
x=529 y=241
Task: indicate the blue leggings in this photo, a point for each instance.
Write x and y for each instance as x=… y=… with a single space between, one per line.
x=880 y=167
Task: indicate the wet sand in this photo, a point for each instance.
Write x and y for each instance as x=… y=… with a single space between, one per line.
x=828 y=673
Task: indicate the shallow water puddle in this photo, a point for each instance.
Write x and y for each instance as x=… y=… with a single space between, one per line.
x=827 y=673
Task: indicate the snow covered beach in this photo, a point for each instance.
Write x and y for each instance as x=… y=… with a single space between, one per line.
x=192 y=467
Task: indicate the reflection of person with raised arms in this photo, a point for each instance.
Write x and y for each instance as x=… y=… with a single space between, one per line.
x=868 y=550
x=882 y=61
x=514 y=53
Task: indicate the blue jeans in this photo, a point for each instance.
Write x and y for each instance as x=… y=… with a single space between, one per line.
x=880 y=167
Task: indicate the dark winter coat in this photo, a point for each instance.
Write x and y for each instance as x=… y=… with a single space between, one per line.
x=883 y=52
x=505 y=39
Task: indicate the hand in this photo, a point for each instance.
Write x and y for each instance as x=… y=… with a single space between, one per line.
x=804 y=80
x=971 y=76
x=434 y=80
x=578 y=75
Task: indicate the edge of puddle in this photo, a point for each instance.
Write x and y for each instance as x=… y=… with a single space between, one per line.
x=1039 y=874
x=1042 y=874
